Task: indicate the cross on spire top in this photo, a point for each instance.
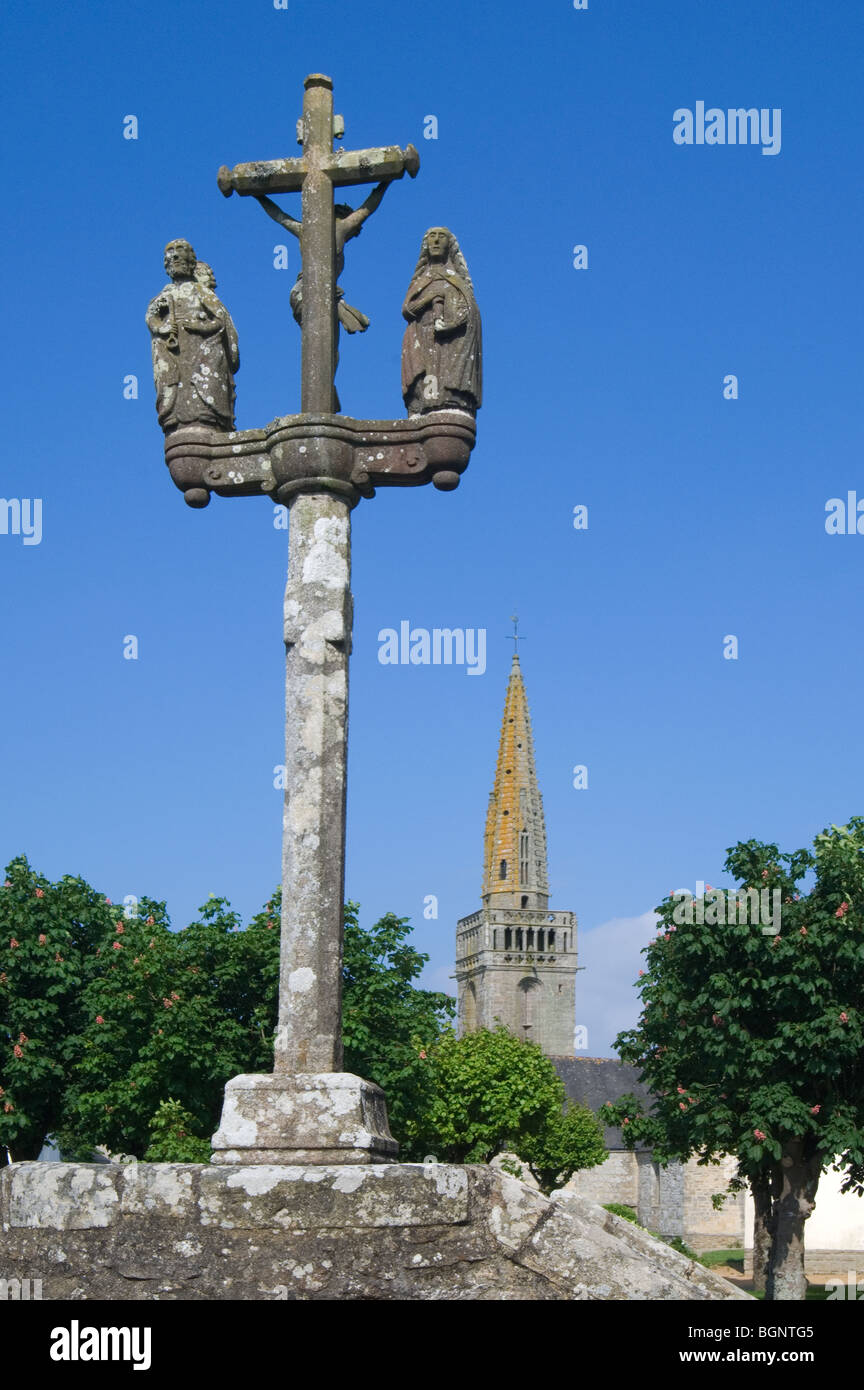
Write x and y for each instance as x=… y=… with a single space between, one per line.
x=514 y=636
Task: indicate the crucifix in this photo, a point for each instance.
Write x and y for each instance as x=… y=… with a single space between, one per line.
x=315 y=175
x=319 y=464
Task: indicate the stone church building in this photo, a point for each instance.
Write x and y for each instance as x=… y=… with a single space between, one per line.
x=516 y=963
x=516 y=959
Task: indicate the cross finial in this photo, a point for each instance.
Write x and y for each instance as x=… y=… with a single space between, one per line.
x=514 y=636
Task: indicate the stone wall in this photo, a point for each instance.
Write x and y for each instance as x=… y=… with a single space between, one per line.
x=616 y=1180
x=661 y=1196
x=676 y=1201
x=705 y=1228
x=371 y=1232
x=534 y=1002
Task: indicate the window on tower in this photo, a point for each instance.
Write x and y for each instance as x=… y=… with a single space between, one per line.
x=502 y=869
x=523 y=857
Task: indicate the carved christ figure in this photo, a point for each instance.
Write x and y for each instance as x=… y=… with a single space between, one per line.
x=442 y=354
x=195 y=350
x=349 y=223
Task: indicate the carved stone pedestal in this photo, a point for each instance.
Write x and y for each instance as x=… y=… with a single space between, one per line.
x=370 y=1232
x=325 y=1117
x=321 y=453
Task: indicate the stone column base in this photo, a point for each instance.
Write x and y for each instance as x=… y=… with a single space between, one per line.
x=324 y=1117
x=367 y=1232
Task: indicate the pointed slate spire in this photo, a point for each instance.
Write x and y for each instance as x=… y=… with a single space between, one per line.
x=515 y=872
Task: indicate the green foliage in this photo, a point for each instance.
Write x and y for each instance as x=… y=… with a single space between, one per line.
x=388 y=1025
x=570 y=1140
x=733 y=1257
x=50 y=938
x=172 y=1138
x=183 y=1011
x=512 y=1166
x=119 y=1031
x=491 y=1092
x=107 y=1021
x=676 y=1243
x=749 y=1040
x=171 y=1014
x=619 y=1209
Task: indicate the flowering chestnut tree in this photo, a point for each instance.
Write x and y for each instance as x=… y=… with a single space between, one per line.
x=117 y=1030
x=171 y=1015
x=751 y=1038
x=51 y=936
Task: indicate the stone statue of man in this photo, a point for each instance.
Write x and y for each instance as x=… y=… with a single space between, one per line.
x=195 y=351
x=442 y=354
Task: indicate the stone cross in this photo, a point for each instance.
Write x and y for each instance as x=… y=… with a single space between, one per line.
x=320 y=170
x=318 y=464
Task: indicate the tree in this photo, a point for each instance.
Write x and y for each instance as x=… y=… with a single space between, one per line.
x=171 y=1015
x=751 y=1040
x=388 y=1025
x=175 y=1014
x=172 y=1138
x=51 y=935
x=107 y=1019
x=491 y=1092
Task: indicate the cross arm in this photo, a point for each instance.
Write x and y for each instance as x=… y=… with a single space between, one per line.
x=263 y=176
x=343 y=167
x=371 y=166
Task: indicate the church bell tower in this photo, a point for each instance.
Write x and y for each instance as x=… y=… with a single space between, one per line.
x=516 y=959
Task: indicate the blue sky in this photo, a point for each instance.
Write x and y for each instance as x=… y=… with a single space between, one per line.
x=604 y=387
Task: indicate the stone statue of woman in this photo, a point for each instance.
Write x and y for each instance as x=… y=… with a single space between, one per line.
x=195 y=351
x=442 y=366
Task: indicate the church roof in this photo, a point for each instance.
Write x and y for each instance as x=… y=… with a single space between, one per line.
x=592 y=1081
x=514 y=857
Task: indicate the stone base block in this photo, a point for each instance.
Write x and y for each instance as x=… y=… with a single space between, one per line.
x=381 y=1232
x=326 y=1117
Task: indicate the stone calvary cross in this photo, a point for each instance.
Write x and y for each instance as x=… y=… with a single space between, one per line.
x=319 y=464
x=320 y=170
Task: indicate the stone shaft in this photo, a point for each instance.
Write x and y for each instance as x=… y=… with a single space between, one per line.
x=318 y=248
x=318 y=641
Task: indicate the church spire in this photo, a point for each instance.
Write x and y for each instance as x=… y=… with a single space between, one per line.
x=515 y=872
x=516 y=958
